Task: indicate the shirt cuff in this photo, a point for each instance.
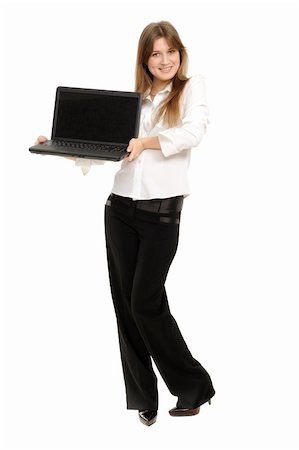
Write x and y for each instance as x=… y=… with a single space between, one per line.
x=85 y=164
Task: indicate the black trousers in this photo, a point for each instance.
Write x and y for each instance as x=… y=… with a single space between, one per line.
x=141 y=241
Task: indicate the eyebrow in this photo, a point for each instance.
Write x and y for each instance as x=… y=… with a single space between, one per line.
x=157 y=51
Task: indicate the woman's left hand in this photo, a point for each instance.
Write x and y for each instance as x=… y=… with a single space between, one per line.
x=135 y=147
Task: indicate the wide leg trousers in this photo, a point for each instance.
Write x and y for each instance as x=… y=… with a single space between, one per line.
x=140 y=248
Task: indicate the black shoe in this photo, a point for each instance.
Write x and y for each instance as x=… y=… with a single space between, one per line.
x=185 y=411
x=147 y=416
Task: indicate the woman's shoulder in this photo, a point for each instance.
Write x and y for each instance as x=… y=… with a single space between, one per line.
x=195 y=85
x=196 y=78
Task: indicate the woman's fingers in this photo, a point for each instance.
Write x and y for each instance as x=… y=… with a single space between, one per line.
x=40 y=140
x=135 y=147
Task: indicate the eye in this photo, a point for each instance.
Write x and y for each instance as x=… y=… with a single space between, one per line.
x=155 y=54
x=172 y=50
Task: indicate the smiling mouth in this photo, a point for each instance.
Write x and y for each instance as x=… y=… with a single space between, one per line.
x=165 y=69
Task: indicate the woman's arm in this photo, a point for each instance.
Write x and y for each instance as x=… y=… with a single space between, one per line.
x=137 y=145
x=195 y=118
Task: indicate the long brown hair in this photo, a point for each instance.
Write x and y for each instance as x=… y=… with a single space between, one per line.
x=170 y=108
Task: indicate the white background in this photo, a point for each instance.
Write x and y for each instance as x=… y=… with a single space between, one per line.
x=233 y=284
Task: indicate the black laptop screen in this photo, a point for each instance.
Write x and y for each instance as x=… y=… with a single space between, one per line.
x=101 y=117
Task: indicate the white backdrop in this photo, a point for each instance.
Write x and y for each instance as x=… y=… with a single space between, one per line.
x=233 y=284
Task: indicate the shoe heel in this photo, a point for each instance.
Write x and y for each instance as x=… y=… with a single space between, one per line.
x=209 y=401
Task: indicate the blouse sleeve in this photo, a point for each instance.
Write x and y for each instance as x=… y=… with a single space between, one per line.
x=195 y=118
x=85 y=164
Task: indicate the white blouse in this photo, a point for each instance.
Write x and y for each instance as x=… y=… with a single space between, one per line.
x=164 y=173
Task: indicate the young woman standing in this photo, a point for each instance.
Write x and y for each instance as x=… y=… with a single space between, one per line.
x=142 y=220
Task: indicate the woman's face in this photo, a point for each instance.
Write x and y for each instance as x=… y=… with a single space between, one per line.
x=164 y=61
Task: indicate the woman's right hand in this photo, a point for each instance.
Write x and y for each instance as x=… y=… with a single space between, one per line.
x=40 y=140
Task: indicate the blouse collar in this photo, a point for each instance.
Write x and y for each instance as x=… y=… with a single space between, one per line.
x=167 y=88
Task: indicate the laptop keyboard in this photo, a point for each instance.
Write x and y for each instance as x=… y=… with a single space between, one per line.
x=81 y=145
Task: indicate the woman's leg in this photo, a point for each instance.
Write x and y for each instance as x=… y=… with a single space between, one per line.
x=140 y=249
x=122 y=243
x=185 y=376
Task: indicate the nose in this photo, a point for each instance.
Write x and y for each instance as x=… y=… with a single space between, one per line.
x=164 y=59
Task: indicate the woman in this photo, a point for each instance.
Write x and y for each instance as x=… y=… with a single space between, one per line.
x=142 y=219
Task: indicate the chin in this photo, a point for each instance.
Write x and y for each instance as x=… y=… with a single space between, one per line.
x=166 y=76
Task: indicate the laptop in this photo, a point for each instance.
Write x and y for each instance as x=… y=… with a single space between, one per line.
x=92 y=123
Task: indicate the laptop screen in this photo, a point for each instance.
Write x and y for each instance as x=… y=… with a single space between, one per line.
x=92 y=115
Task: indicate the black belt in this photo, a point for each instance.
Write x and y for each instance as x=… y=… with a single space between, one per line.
x=161 y=205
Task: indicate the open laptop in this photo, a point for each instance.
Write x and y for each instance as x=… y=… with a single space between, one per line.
x=92 y=123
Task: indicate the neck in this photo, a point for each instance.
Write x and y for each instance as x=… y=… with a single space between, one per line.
x=158 y=86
